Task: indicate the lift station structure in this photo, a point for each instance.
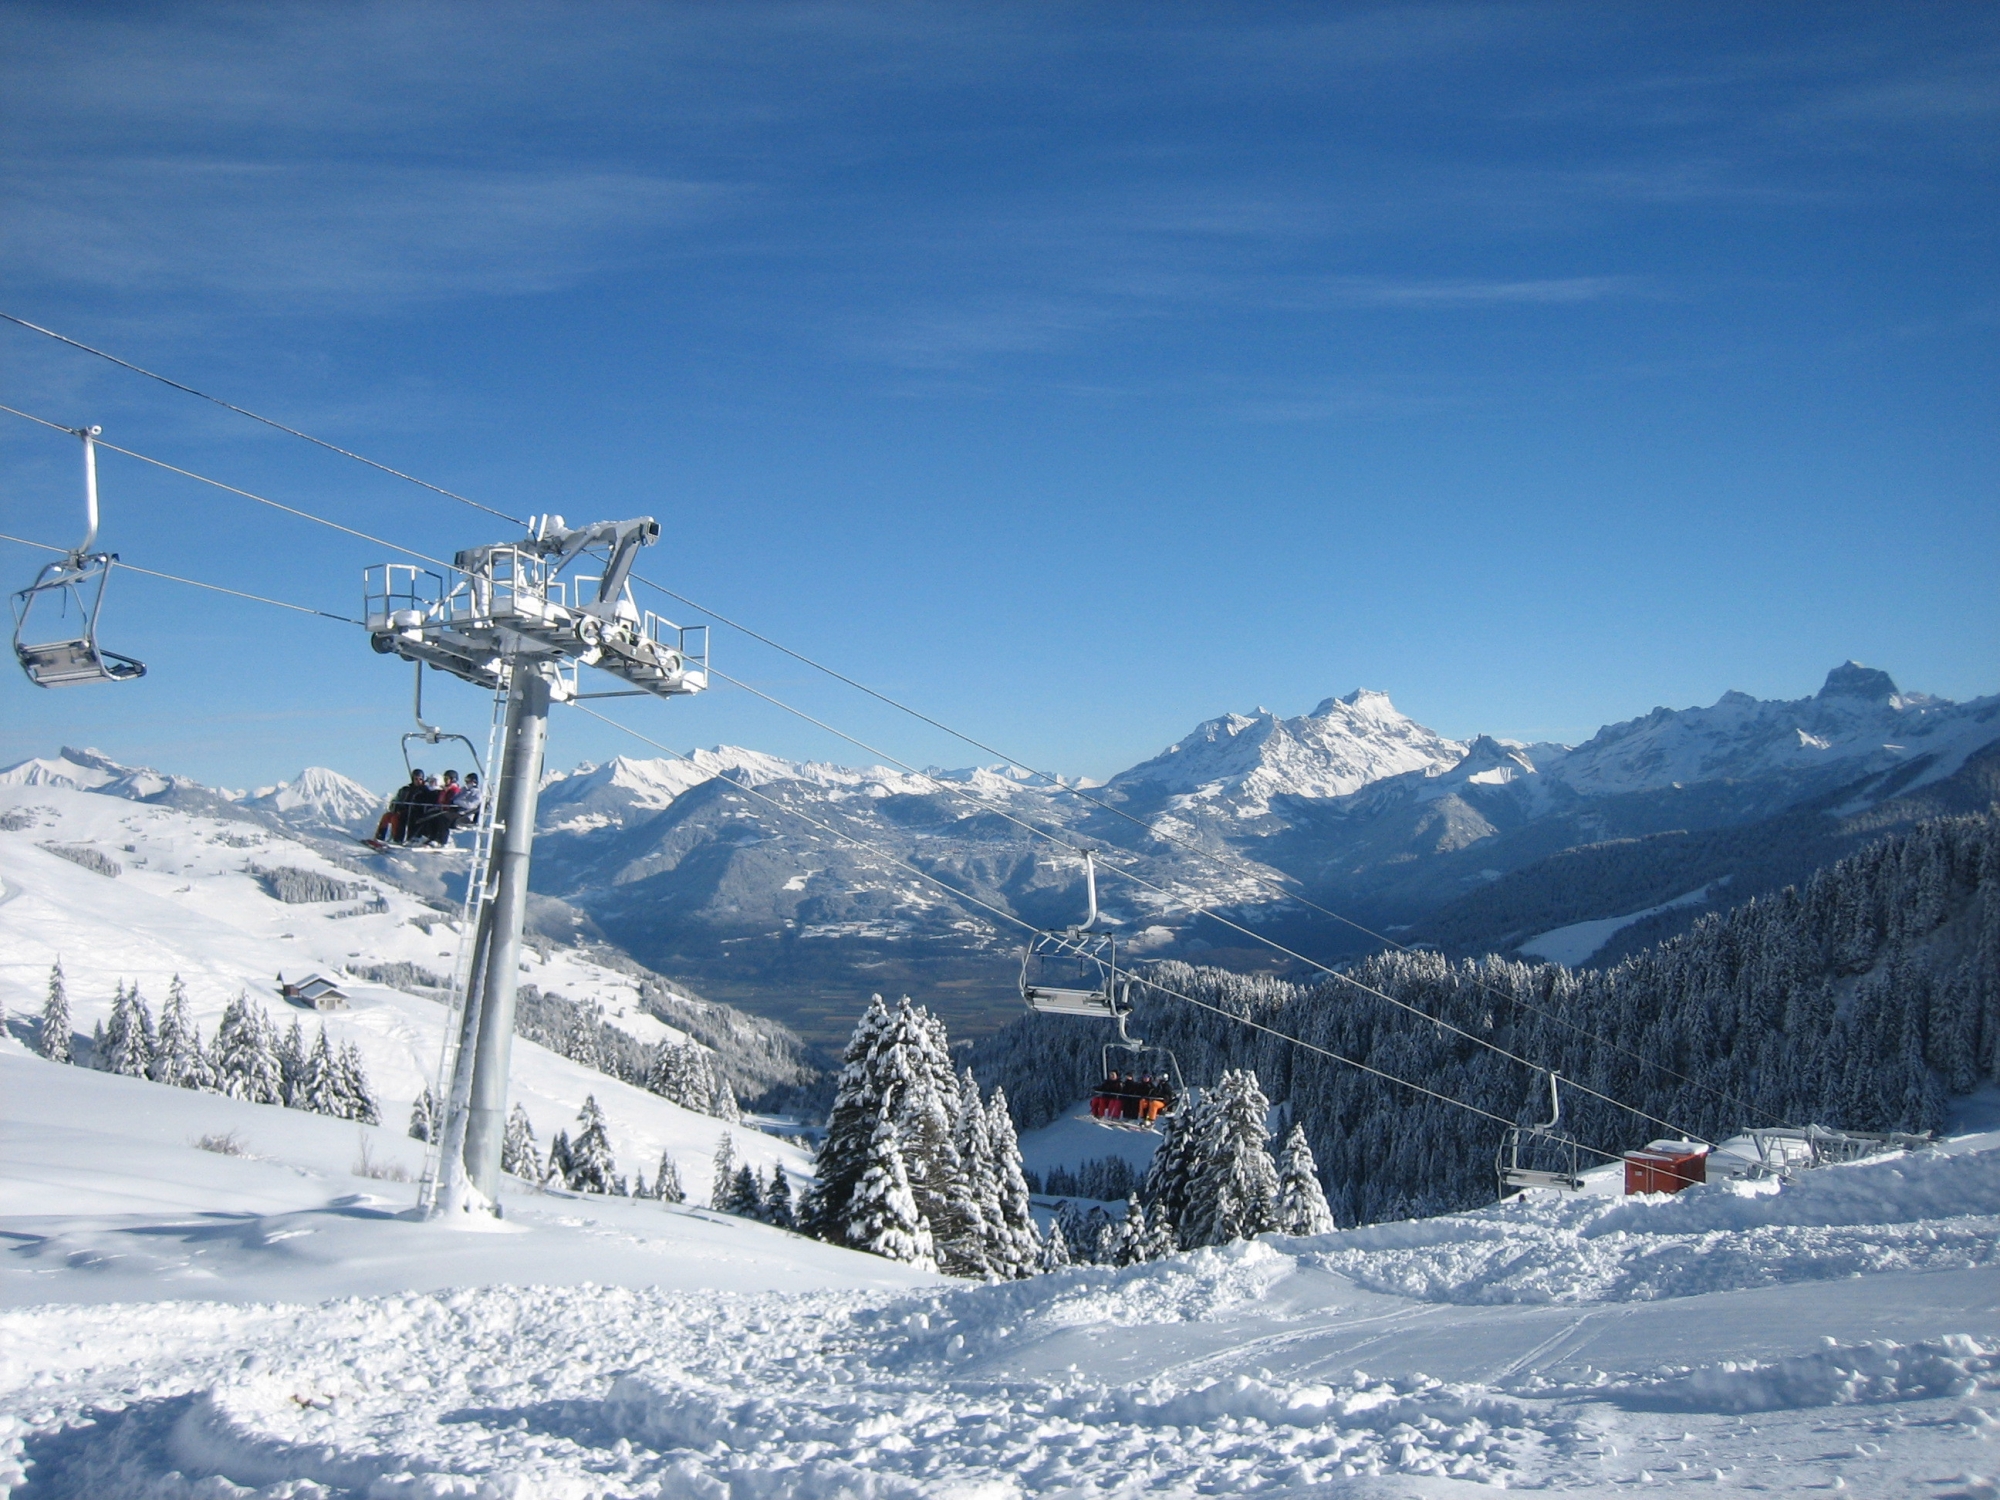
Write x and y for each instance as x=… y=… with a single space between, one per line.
x=520 y=619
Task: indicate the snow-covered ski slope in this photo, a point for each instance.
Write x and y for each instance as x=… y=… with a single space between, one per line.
x=182 y=1323
x=185 y=901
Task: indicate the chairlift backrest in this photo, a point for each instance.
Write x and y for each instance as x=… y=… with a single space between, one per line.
x=78 y=578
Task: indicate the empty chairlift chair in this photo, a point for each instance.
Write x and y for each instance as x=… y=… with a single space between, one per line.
x=1539 y=1156
x=58 y=648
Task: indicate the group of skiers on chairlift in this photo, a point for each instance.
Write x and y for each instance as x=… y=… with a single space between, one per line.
x=425 y=810
x=1131 y=1096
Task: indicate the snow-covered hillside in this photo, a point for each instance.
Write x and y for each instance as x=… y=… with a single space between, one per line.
x=187 y=899
x=186 y=1324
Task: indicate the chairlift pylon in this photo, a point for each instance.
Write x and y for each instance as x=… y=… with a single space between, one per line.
x=1539 y=1156
x=78 y=577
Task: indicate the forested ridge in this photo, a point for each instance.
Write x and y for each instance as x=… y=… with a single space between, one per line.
x=1862 y=999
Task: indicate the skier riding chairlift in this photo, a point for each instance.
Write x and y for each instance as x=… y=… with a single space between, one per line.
x=1073 y=971
x=422 y=815
x=78 y=577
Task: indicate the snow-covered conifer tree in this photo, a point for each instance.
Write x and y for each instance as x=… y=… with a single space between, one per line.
x=246 y=1061
x=178 y=1057
x=983 y=1252
x=590 y=1163
x=1017 y=1242
x=1301 y=1207
x=1055 y=1249
x=1133 y=1236
x=520 y=1154
x=1170 y=1178
x=559 y=1159
x=921 y=1091
x=315 y=1084
x=1234 y=1192
x=126 y=1046
x=850 y=1127
x=778 y=1199
x=882 y=1214
x=52 y=1040
x=424 y=1120
x=358 y=1099
x=667 y=1185
x=292 y=1054
x=725 y=1173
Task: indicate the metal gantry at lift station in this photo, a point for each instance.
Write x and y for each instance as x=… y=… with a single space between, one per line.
x=521 y=619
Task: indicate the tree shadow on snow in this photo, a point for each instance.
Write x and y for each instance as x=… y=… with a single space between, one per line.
x=103 y=1453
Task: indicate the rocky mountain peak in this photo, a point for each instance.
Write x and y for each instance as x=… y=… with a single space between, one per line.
x=1852 y=680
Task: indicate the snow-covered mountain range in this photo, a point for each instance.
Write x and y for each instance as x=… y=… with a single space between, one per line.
x=700 y=868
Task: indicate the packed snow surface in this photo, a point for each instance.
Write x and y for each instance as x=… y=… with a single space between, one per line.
x=185 y=1322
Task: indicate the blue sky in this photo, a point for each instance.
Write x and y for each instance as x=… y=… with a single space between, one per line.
x=1078 y=372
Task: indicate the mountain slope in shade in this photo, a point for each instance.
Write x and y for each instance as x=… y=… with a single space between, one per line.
x=1236 y=764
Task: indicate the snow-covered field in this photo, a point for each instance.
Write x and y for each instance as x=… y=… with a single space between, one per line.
x=185 y=1323
x=186 y=902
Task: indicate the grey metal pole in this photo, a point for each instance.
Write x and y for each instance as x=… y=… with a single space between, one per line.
x=513 y=842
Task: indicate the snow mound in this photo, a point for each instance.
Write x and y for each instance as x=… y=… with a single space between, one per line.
x=1931 y=1212
x=1878 y=1371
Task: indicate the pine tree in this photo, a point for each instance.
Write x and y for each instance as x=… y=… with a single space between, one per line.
x=1158 y=1239
x=292 y=1055
x=667 y=1185
x=746 y=1194
x=1234 y=1192
x=424 y=1120
x=1170 y=1178
x=357 y=1098
x=882 y=1214
x=315 y=1082
x=921 y=1091
x=778 y=1199
x=850 y=1127
x=519 y=1152
x=725 y=1173
x=1017 y=1243
x=985 y=1250
x=1302 y=1207
x=1055 y=1249
x=1132 y=1236
x=127 y=1043
x=559 y=1159
x=590 y=1163
x=246 y=1061
x=52 y=1040
x=178 y=1057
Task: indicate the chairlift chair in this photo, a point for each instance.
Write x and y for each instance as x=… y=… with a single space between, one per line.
x=77 y=578
x=1539 y=1156
x=1125 y=1109
x=1073 y=971
x=429 y=734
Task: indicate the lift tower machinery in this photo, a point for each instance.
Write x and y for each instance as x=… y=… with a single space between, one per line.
x=519 y=618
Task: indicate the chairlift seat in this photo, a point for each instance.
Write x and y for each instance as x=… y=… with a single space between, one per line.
x=67 y=663
x=1524 y=1177
x=1052 y=1001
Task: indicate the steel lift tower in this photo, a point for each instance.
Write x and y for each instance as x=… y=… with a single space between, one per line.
x=519 y=618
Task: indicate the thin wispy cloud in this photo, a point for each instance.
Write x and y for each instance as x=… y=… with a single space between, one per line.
x=295 y=231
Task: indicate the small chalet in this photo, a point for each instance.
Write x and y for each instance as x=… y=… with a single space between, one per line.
x=314 y=992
